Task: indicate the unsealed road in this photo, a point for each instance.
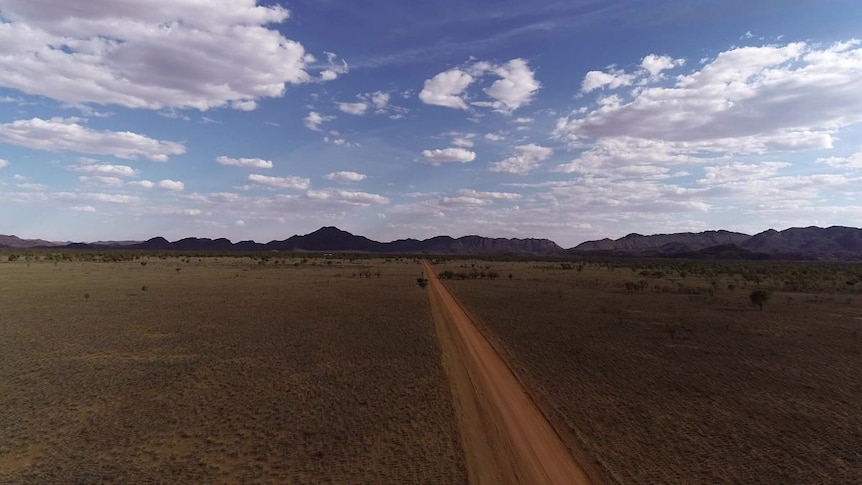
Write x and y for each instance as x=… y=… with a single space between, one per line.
x=506 y=437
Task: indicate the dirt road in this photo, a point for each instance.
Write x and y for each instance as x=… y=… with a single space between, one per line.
x=506 y=437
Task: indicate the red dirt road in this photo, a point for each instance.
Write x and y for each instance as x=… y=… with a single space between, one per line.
x=505 y=436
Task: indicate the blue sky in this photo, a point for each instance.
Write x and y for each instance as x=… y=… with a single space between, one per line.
x=570 y=120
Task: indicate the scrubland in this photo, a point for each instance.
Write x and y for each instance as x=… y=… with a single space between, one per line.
x=664 y=372
x=221 y=370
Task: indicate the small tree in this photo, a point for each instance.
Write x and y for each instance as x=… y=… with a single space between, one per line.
x=759 y=297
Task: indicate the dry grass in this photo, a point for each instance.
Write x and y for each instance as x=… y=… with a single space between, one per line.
x=673 y=385
x=224 y=371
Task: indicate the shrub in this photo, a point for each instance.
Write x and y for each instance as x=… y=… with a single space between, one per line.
x=759 y=297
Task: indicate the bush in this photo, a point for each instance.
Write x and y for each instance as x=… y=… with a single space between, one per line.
x=759 y=297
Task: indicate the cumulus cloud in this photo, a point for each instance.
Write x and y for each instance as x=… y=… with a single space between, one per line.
x=146 y=184
x=732 y=172
x=315 y=119
x=153 y=55
x=615 y=153
x=445 y=89
x=172 y=185
x=438 y=156
x=357 y=109
x=613 y=79
x=525 y=159
x=298 y=183
x=100 y=180
x=4 y=163
x=105 y=169
x=488 y=195
x=493 y=137
x=515 y=88
x=852 y=162
x=789 y=97
x=67 y=134
x=244 y=162
x=83 y=208
x=345 y=177
x=347 y=196
x=654 y=64
x=380 y=100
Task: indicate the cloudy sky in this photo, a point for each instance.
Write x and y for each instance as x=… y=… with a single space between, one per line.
x=570 y=120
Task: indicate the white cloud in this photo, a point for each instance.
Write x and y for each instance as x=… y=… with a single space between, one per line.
x=438 y=156
x=244 y=162
x=463 y=140
x=105 y=169
x=718 y=174
x=347 y=196
x=4 y=163
x=783 y=97
x=613 y=79
x=173 y=185
x=154 y=55
x=656 y=64
x=380 y=100
x=525 y=159
x=515 y=88
x=488 y=195
x=345 y=177
x=609 y=155
x=83 y=208
x=852 y=162
x=100 y=180
x=462 y=200
x=335 y=68
x=493 y=137
x=95 y=197
x=445 y=89
x=146 y=184
x=66 y=134
x=315 y=119
x=280 y=182
x=356 y=109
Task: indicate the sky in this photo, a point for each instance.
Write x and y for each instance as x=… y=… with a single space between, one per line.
x=569 y=120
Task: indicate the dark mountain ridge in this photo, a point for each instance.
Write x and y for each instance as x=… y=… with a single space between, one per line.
x=808 y=243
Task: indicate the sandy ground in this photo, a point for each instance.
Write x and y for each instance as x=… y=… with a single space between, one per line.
x=505 y=436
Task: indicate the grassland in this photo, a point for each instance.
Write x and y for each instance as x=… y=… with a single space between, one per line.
x=221 y=370
x=666 y=373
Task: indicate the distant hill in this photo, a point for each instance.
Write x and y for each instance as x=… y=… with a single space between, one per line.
x=834 y=242
x=809 y=243
x=332 y=239
x=16 y=242
x=680 y=242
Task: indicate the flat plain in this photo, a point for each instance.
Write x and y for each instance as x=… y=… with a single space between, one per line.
x=664 y=372
x=221 y=370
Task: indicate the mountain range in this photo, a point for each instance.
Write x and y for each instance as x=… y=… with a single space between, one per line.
x=808 y=243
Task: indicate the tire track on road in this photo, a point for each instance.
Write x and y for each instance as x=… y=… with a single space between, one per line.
x=505 y=436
